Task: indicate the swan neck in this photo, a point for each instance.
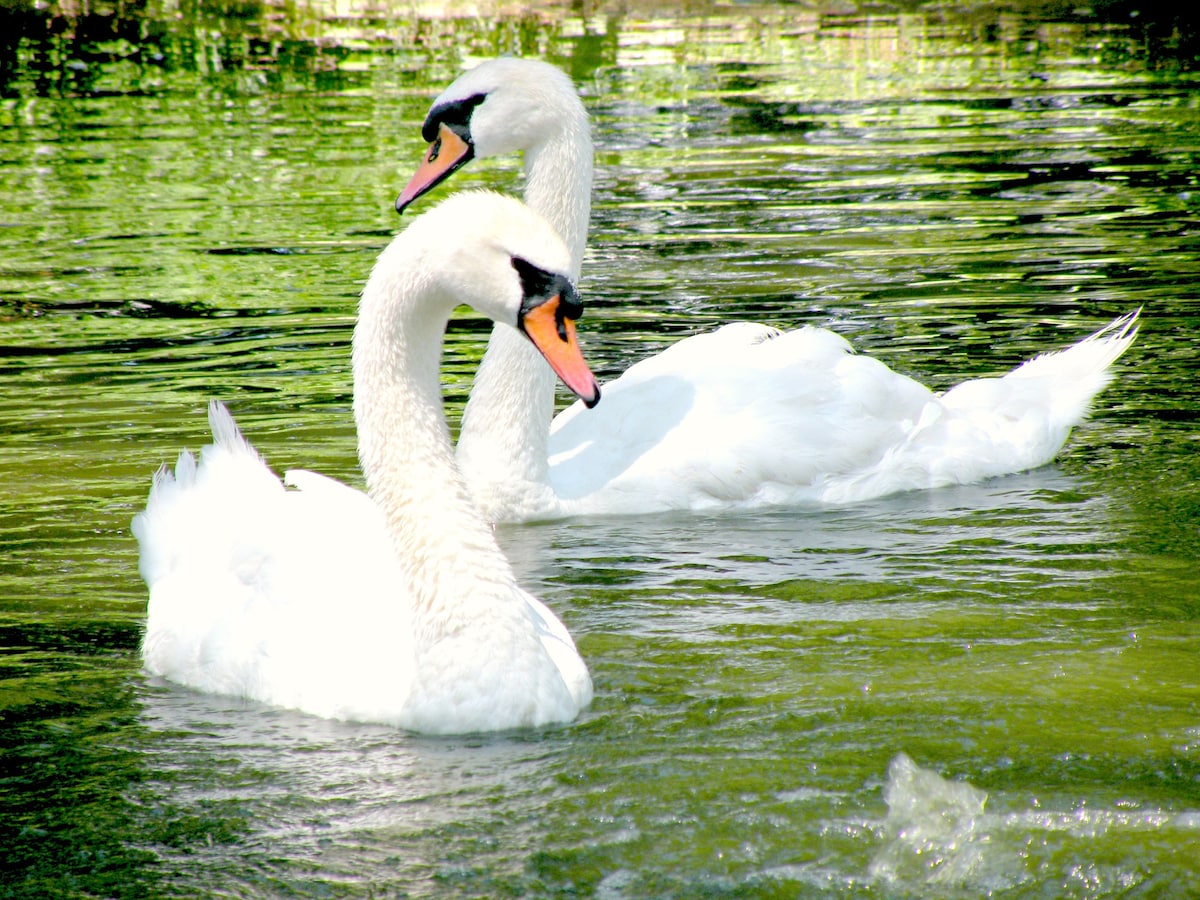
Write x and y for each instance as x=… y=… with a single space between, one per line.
x=504 y=442
x=558 y=184
x=404 y=443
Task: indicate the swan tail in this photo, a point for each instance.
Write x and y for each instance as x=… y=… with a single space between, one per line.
x=1078 y=373
x=205 y=552
x=225 y=431
x=196 y=500
x=989 y=427
x=1058 y=387
x=1020 y=421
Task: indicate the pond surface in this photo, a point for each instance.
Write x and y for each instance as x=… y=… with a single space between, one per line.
x=987 y=690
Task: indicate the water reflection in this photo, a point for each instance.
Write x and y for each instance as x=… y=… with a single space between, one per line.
x=1039 y=525
x=291 y=797
x=67 y=49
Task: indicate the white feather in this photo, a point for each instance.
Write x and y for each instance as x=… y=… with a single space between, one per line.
x=393 y=607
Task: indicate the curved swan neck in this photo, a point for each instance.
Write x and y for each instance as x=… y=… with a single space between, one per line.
x=404 y=444
x=504 y=442
x=558 y=182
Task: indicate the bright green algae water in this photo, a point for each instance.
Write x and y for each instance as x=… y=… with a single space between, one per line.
x=190 y=200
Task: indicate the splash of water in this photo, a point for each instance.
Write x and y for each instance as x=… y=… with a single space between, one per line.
x=939 y=834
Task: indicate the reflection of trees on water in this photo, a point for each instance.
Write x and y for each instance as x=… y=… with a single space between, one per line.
x=139 y=47
x=76 y=47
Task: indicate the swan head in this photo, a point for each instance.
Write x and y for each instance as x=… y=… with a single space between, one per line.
x=500 y=257
x=504 y=105
x=550 y=306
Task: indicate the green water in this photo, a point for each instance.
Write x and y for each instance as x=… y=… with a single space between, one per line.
x=190 y=200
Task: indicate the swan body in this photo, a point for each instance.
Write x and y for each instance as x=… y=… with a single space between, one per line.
x=744 y=416
x=747 y=416
x=394 y=605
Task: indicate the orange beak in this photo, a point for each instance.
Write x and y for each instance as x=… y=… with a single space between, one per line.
x=445 y=156
x=554 y=335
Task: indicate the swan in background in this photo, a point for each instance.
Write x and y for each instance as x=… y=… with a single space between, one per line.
x=744 y=416
x=504 y=106
x=394 y=606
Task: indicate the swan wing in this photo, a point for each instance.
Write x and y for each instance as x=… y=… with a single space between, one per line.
x=560 y=647
x=749 y=416
x=741 y=416
x=278 y=595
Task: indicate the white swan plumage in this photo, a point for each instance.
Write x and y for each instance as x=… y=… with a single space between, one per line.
x=744 y=416
x=395 y=605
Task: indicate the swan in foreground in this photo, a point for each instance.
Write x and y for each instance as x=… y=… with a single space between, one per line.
x=744 y=416
x=396 y=605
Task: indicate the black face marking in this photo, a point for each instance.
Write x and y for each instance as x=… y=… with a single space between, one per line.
x=455 y=115
x=538 y=285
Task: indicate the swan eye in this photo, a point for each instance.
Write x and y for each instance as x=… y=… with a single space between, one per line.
x=455 y=114
x=539 y=285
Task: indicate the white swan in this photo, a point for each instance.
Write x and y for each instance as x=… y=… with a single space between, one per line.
x=393 y=606
x=743 y=416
